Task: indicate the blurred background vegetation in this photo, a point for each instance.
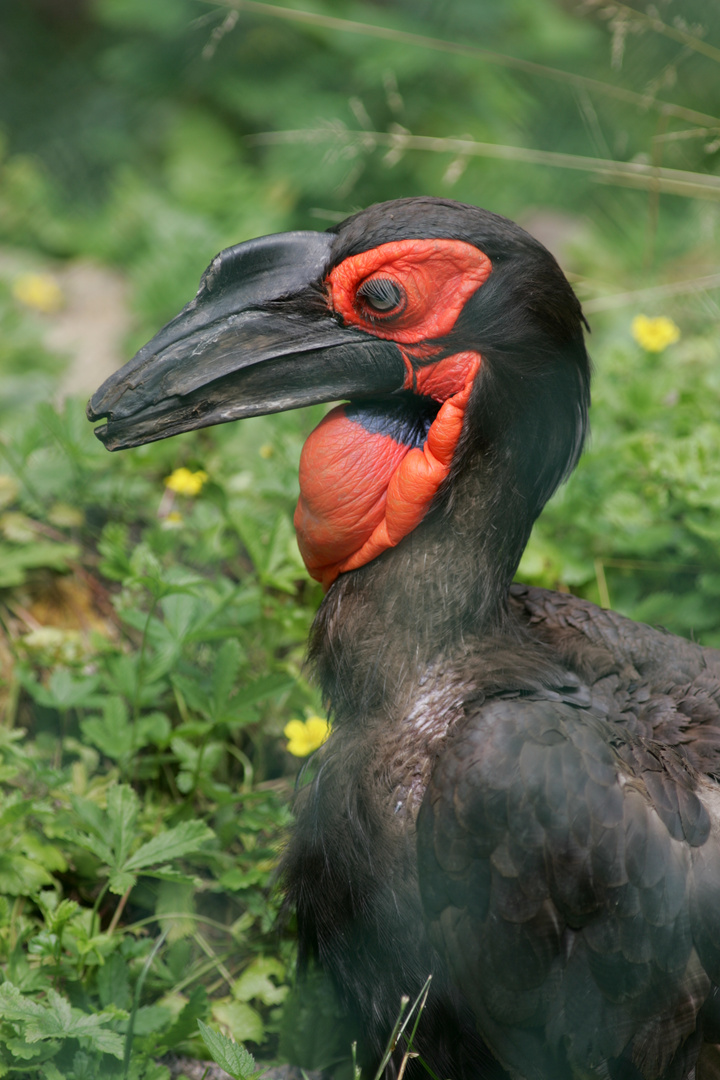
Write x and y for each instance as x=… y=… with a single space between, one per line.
x=152 y=634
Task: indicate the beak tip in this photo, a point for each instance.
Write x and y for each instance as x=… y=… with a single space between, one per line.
x=108 y=438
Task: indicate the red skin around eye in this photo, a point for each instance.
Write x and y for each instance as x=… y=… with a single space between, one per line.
x=437 y=276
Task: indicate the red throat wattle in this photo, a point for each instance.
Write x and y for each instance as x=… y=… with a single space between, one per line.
x=364 y=486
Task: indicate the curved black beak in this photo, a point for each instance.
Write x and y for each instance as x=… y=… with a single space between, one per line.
x=257 y=338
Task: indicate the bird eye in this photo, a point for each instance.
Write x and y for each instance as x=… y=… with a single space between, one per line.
x=382 y=296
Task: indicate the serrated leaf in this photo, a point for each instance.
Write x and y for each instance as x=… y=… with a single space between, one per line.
x=191 y=691
x=170 y=844
x=111 y=738
x=181 y=612
x=96 y=845
x=63 y=913
x=230 y=1056
x=58 y=1020
x=264 y=687
x=123 y=807
x=63 y=690
x=70 y=693
x=155 y=728
x=224 y=675
x=120 y=881
x=113 y=982
x=22 y=1050
x=90 y=814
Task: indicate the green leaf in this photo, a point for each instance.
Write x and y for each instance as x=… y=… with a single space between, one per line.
x=255 y=982
x=181 y=614
x=111 y=733
x=264 y=687
x=63 y=690
x=196 y=761
x=14 y=811
x=123 y=807
x=84 y=1066
x=20 y=876
x=113 y=982
x=49 y=1071
x=175 y=897
x=155 y=1071
x=98 y=847
x=58 y=1020
x=151 y=1019
x=192 y=691
x=65 y=911
x=224 y=675
x=119 y=881
x=185 y=1025
x=16 y=561
x=231 y=1057
x=21 y=1049
x=241 y=1019
x=170 y=844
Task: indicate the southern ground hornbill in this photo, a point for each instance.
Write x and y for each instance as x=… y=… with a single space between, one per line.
x=519 y=794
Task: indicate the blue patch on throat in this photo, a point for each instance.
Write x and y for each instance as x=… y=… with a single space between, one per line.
x=406 y=420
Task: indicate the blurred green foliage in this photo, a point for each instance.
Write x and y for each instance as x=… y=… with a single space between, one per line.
x=151 y=645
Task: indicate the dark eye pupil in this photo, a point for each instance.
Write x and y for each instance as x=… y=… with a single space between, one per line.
x=381 y=294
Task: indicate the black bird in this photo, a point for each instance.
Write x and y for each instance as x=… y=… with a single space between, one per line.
x=520 y=792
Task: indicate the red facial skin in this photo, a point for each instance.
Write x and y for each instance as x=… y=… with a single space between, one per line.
x=437 y=277
x=361 y=492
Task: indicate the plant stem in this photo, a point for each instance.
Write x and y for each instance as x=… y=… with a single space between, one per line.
x=96 y=908
x=140 y=677
x=119 y=910
x=136 y=1002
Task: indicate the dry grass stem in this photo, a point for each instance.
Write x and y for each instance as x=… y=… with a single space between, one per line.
x=654 y=292
x=652 y=21
x=623 y=173
x=387 y=33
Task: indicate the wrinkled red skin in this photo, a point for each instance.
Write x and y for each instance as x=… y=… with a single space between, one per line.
x=437 y=276
x=361 y=492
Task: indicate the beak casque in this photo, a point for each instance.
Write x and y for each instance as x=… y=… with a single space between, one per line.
x=244 y=346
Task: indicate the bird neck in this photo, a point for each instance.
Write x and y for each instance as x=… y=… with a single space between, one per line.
x=426 y=602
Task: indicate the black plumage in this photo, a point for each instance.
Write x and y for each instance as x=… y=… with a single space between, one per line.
x=520 y=794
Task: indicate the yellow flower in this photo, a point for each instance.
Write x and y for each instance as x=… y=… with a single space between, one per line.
x=304 y=736
x=184 y=482
x=654 y=335
x=174 y=520
x=39 y=291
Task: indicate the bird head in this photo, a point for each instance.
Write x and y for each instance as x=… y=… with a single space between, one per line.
x=451 y=333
